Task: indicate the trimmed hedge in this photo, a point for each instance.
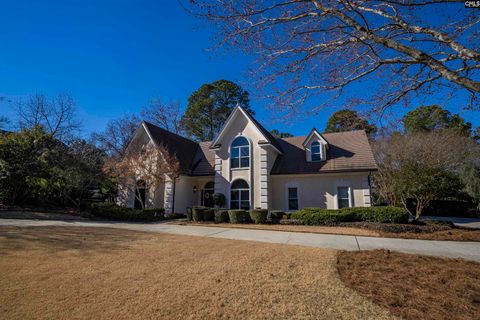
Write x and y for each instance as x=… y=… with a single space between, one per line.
x=238 y=216
x=258 y=215
x=115 y=212
x=189 y=214
x=276 y=214
x=316 y=216
x=221 y=215
x=202 y=214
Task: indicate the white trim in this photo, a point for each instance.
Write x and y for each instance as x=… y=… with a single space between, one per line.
x=319 y=137
x=237 y=109
x=342 y=183
x=292 y=184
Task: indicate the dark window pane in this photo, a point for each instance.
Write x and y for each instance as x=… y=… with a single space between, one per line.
x=240 y=184
x=234 y=195
x=342 y=192
x=245 y=205
x=244 y=162
x=316 y=149
x=234 y=153
x=244 y=151
x=240 y=141
x=234 y=205
x=343 y=203
x=316 y=157
x=245 y=195
x=292 y=193
x=292 y=204
x=235 y=163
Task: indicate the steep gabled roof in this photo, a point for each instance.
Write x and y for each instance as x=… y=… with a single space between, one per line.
x=184 y=149
x=314 y=132
x=268 y=136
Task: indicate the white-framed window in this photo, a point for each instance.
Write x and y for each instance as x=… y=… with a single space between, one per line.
x=343 y=197
x=292 y=194
x=240 y=153
x=316 y=151
x=240 y=195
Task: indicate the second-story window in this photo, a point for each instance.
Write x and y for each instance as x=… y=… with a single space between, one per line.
x=316 y=150
x=240 y=153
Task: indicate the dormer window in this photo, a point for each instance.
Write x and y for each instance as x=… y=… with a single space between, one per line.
x=240 y=153
x=316 y=150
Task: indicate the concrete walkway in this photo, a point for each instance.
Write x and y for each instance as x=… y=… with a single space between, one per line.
x=452 y=249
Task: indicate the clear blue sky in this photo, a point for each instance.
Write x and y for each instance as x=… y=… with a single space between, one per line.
x=114 y=56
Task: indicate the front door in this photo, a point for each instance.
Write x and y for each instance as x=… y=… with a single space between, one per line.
x=207 y=194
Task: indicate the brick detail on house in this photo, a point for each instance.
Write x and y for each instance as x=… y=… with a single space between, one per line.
x=219 y=185
x=264 y=181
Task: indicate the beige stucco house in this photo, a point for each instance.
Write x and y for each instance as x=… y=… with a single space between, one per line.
x=253 y=169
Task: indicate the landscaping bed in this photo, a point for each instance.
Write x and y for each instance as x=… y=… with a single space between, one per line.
x=412 y=286
x=113 y=212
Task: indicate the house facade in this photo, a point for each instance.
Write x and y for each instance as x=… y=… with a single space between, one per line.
x=253 y=169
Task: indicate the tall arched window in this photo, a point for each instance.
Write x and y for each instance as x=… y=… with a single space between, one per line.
x=240 y=153
x=240 y=195
x=316 y=150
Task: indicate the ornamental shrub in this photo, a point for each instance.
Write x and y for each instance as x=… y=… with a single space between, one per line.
x=114 y=212
x=276 y=214
x=238 y=216
x=221 y=215
x=259 y=215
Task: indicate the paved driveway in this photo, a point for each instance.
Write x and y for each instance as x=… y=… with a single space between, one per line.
x=461 y=222
x=452 y=249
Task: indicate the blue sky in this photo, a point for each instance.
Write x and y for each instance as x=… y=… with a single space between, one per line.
x=114 y=56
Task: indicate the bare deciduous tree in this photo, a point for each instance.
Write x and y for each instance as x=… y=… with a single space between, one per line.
x=117 y=135
x=153 y=164
x=165 y=115
x=311 y=48
x=421 y=166
x=57 y=116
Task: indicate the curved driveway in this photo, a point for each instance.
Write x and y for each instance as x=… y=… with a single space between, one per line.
x=451 y=249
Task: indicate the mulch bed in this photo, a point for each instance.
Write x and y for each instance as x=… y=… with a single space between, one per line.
x=412 y=286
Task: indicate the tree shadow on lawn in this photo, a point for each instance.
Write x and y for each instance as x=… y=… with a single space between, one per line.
x=65 y=238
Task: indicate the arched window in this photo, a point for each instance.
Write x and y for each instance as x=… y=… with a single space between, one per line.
x=240 y=153
x=316 y=150
x=240 y=195
x=207 y=194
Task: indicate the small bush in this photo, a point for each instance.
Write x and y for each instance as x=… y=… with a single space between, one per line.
x=276 y=214
x=238 y=216
x=221 y=215
x=189 y=214
x=259 y=215
x=316 y=216
x=197 y=213
x=114 y=212
x=219 y=199
x=208 y=214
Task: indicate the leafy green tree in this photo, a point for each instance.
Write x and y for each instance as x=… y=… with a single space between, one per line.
x=346 y=120
x=470 y=176
x=209 y=107
x=434 y=118
x=278 y=134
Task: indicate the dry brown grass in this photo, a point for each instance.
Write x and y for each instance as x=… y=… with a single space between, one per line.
x=414 y=287
x=456 y=234
x=94 y=273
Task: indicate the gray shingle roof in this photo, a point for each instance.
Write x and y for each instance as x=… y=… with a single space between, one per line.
x=348 y=151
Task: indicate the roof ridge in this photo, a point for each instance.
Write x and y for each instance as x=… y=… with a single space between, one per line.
x=163 y=129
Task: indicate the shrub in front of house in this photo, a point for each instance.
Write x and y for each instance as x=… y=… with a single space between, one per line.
x=258 y=215
x=221 y=215
x=197 y=213
x=238 y=216
x=318 y=216
x=189 y=214
x=114 y=212
x=208 y=214
x=276 y=214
